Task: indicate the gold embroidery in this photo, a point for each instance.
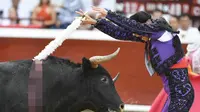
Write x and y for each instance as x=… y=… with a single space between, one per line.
x=144 y=38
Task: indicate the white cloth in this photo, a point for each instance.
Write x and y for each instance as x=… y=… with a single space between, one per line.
x=193 y=52
x=192 y=35
x=166 y=37
x=192 y=47
x=196 y=61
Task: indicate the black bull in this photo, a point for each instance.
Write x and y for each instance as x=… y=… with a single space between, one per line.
x=67 y=86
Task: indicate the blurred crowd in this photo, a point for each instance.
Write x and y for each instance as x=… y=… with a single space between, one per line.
x=47 y=13
x=58 y=14
x=182 y=23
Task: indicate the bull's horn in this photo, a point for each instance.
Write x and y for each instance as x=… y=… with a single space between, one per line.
x=95 y=60
x=116 y=77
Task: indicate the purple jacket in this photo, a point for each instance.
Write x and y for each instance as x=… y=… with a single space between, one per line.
x=122 y=28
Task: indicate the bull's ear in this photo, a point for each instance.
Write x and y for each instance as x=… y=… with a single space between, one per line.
x=86 y=64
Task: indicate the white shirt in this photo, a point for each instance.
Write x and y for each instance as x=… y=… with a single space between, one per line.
x=192 y=35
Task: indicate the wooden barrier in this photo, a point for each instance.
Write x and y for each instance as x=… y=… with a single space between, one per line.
x=135 y=86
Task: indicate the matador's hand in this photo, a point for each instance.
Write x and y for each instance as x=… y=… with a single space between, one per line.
x=86 y=18
x=101 y=11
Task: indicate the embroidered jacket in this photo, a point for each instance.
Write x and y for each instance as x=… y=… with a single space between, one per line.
x=163 y=53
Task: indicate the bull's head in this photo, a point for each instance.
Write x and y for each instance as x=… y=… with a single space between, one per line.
x=103 y=95
x=90 y=86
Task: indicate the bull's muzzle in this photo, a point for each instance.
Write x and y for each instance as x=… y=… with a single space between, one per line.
x=121 y=108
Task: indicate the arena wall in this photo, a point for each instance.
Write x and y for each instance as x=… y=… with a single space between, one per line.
x=135 y=86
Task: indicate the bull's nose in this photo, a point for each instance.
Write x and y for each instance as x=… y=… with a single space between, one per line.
x=121 y=107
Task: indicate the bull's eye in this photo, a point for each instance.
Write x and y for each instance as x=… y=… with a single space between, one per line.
x=104 y=79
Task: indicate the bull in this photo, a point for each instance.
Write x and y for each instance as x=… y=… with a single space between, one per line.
x=67 y=86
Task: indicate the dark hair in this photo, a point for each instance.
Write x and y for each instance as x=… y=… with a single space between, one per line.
x=184 y=15
x=40 y=4
x=199 y=28
x=141 y=16
x=165 y=25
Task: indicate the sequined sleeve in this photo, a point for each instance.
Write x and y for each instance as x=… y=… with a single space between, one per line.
x=132 y=25
x=115 y=31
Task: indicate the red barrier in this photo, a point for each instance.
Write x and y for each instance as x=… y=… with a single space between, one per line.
x=135 y=86
x=20 y=26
